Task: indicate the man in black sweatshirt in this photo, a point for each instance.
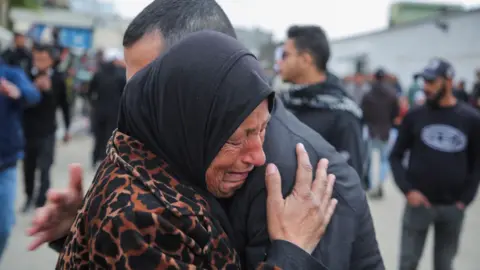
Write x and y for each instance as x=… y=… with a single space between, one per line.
x=443 y=173
x=40 y=124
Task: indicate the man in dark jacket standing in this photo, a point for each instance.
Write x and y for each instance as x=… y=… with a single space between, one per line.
x=16 y=92
x=380 y=107
x=104 y=92
x=319 y=100
x=40 y=124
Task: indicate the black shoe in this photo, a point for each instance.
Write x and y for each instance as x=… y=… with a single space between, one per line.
x=27 y=206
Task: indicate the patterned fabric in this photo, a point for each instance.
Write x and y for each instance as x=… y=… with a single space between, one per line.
x=137 y=216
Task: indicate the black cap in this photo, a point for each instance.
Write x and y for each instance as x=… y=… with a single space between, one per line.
x=380 y=73
x=437 y=68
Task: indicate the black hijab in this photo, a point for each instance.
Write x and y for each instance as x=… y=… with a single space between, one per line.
x=187 y=103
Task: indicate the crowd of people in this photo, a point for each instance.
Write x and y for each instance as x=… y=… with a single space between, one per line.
x=428 y=135
x=37 y=80
x=210 y=167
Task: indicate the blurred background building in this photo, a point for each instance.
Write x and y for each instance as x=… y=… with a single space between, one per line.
x=83 y=24
x=406 y=12
x=417 y=32
x=403 y=46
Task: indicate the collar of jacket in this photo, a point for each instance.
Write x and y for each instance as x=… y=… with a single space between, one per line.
x=326 y=96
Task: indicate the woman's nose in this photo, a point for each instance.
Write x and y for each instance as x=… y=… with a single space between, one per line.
x=255 y=155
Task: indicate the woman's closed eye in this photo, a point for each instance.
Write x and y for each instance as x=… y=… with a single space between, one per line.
x=235 y=143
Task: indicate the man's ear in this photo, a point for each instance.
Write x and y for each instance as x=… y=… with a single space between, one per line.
x=307 y=58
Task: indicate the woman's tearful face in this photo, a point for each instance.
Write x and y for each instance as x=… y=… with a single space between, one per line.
x=241 y=153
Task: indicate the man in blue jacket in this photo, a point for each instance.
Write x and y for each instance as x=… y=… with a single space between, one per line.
x=16 y=92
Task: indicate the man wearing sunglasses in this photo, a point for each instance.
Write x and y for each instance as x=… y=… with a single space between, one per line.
x=443 y=173
x=317 y=98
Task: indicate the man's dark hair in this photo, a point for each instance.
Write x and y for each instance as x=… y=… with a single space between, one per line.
x=311 y=39
x=174 y=19
x=38 y=47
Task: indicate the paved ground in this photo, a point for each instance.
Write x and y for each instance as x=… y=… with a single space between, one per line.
x=386 y=214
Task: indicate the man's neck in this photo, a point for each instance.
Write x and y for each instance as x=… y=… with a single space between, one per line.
x=448 y=101
x=312 y=78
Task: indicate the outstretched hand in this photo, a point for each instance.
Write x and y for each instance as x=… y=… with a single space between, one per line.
x=53 y=221
x=9 y=89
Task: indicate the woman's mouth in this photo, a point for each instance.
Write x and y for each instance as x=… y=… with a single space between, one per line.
x=236 y=176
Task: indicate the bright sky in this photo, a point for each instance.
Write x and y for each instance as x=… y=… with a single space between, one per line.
x=339 y=18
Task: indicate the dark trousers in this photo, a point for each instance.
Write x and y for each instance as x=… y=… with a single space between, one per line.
x=39 y=154
x=102 y=131
x=447 y=222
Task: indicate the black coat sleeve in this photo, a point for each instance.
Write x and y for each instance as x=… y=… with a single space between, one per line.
x=288 y=256
x=402 y=144
x=353 y=207
x=365 y=251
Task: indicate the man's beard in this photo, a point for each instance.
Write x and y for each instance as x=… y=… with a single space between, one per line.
x=433 y=101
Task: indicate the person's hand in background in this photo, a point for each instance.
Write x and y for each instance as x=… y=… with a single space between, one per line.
x=53 y=221
x=9 y=89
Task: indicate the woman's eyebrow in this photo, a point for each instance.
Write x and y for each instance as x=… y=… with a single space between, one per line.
x=250 y=131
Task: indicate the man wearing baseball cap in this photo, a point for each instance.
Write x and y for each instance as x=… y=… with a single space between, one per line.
x=443 y=173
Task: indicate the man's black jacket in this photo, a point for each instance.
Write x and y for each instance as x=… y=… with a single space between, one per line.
x=327 y=109
x=105 y=91
x=40 y=120
x=350 y=241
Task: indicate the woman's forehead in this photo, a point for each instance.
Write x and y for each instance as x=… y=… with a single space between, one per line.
x=256 y=119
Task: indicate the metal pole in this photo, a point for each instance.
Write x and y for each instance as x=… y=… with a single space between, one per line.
x=4 y=13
